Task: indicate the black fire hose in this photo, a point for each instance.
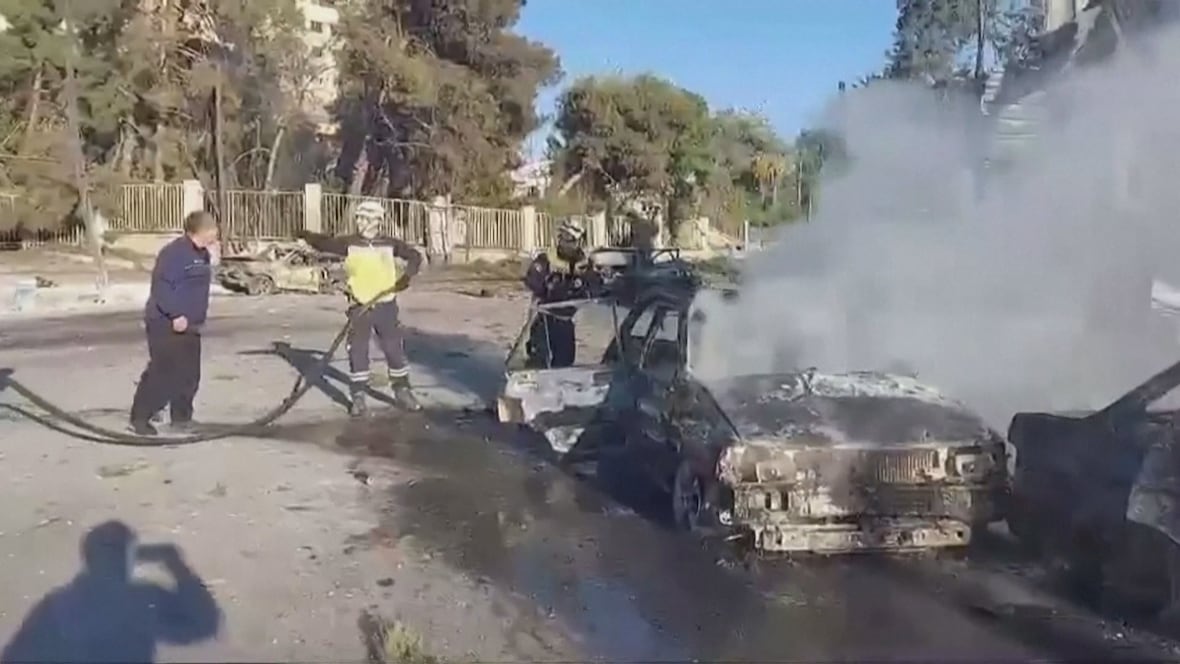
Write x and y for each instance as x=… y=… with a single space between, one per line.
x=110 y=436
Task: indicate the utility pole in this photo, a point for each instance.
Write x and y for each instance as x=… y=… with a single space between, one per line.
x=980 y=42
x=218 y=146
x=77 y=156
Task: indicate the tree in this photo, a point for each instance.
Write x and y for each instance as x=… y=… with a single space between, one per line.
x=940 y=39
x=144 y=74
x=440 y=95
x=636 y=142
x=768 y=170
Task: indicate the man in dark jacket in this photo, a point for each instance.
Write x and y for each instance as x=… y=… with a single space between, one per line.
x=173 y=317
x=374 y=275
x=552 y=338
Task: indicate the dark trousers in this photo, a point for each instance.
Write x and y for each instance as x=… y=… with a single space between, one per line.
x=383 y=320
x=172 y=376
x=552 y=342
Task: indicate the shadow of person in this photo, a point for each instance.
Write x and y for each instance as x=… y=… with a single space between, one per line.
x=308 y=363
x=106 y=615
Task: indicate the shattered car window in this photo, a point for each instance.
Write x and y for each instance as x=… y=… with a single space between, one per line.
x=594 y=325
x=661 y=358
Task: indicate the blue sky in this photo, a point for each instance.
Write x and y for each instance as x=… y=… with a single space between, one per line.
x=782 y=58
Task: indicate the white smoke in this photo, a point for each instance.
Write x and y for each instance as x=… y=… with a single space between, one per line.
x=1034 y=294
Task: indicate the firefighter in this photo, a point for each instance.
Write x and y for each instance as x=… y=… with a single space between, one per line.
x=552 y=341
x=371 y=267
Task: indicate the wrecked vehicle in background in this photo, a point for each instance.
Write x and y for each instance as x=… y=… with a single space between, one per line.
x=1097 y=494
x=795 y=462
x=283 y=268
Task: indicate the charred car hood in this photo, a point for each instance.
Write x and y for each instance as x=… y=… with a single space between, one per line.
x=844 y=410
x=841 y=430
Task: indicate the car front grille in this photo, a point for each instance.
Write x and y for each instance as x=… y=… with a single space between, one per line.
x=898 y=466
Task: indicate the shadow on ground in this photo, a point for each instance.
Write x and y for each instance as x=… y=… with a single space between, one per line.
x=105 y=614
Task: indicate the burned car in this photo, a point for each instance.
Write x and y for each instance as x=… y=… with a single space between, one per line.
x=795 y=462
x=1097 y=495
x=283 y=268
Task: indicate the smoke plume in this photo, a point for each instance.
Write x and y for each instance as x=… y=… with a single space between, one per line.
x=1031 y=291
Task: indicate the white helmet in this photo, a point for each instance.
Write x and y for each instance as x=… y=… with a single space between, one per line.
x=569 y=231
x=368 y=216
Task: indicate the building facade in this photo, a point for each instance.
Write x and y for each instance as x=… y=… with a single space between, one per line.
x=321 y=29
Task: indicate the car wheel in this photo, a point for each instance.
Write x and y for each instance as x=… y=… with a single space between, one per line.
x=693 y=508
x=260 y=285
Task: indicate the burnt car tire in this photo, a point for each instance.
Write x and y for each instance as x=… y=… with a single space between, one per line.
x=694 y=502
x=260 y=285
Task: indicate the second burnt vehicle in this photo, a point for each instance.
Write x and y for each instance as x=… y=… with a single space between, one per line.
x=795 y=462
x=1097 y=495
x=283 y=267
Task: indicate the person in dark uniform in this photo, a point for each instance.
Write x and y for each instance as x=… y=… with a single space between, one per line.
x=371 y=267
x=174 y=316
x=552 y=339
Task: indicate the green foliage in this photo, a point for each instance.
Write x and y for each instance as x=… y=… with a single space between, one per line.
x=146 y=74
x=436 y=94
x=439 y=95
x=643 y=143
x=940 y=39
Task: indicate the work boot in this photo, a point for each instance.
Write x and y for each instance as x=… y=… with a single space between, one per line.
x=358 y=407
x=143 y=429
x=184 y=426
x=402 y=394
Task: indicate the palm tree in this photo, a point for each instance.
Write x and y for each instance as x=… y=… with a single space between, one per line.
x=768 y=171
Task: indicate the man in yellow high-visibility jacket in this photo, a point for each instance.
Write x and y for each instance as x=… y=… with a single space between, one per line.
x=371 y=267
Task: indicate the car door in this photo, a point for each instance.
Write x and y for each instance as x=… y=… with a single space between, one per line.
x=660 y=362
x=559 y=402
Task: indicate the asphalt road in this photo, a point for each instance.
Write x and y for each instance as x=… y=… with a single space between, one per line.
x=602 y=561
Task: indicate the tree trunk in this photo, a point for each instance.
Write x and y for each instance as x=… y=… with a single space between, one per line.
x=158 y=153
x=125 y=152
x=360 y=171
x=273 y=159
x=219 y=147
x=980 y=40
x=569 y=184
x=34 y=114
x=93 y=232
x=799 y=189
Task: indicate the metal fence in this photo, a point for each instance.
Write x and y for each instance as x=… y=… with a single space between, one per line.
x=259 y=214
x=16 y=235
x=546 y=229
x=405 y=220
x=265 y=215
x=147 y=208
x=618 y=231
x=490 y=228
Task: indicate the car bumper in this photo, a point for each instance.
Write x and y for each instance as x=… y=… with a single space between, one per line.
x=877 y=534
x=886 y=518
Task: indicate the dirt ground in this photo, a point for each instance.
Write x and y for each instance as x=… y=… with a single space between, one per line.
x=441 y=520
x=280 y=534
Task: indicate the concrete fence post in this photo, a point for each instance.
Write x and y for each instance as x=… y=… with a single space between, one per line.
x=599 y=237
x=528 y=229
x=192 y=197
x=313 y=194
x=436 y=220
